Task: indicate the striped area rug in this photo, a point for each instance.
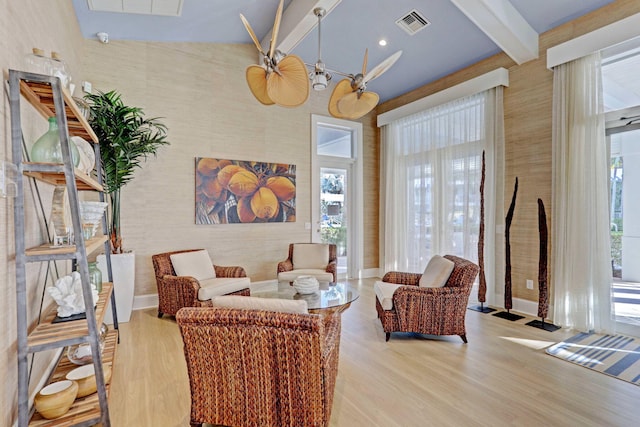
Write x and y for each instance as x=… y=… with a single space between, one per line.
x=615 y=355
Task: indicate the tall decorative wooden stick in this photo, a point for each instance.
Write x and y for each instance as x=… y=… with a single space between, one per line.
x=543 y=293
x=543 y=288
x=482 y=288
x=508 y=302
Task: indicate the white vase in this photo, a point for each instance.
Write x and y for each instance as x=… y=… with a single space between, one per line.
x=123 y=268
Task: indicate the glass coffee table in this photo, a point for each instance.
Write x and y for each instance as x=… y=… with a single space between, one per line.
x=330 y=296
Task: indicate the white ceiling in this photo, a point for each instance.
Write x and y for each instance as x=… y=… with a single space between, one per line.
x=461 y=32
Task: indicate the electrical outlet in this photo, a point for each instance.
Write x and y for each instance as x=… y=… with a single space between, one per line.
x=87 y=87
x=529 y=284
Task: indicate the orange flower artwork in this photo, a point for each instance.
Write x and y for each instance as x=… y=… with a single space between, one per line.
x=238 y=191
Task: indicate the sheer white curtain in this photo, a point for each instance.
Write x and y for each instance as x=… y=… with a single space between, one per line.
x=581 y=245
x=431 y=168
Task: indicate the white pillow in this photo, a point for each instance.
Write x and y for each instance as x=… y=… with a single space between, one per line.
x=268 y=304
x=196 y=264
x=437 y=272
x=310 y=255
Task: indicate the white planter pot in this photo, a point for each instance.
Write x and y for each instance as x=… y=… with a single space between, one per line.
x=123 y=267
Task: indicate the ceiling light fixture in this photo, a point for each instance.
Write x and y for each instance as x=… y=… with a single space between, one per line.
x=319 y=76
x=382 y=42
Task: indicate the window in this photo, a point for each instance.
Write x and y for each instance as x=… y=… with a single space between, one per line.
x=433 y=163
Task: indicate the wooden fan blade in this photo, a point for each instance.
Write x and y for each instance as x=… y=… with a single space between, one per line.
x=257 y=81
x=342 y=88
x=276 y=28
x=289 y=88
x=353 y=107
x=364 y=62
x=251 y=33
x=382 y=67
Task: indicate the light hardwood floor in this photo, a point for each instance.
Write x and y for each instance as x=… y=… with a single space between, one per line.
x=501 y=378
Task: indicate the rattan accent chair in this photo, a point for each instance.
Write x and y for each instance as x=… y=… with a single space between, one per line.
x=256 y=368
x=175 y=292
x=433 y=311
x=287 y=270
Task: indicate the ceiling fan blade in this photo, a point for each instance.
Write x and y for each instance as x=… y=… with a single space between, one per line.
x=342 y=88
x=288 y=86
x=251 y=33
x=379 y=69
x=351 y=106
x=364 y=62
x=257 y=81
x=276 y=28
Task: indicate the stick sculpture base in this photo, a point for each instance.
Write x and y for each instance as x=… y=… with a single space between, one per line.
x=482 y=309
x=509 y=316
x=541 y=324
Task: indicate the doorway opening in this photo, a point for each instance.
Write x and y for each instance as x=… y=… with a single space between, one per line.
x=620 y=66
x=625 y=226
x=337 y=190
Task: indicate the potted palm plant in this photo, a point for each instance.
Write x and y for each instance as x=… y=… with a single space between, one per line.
x=126 y=138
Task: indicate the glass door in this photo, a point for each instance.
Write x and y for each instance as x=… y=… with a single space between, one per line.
x=625 y=229
x=333 y=212
x=621 y=88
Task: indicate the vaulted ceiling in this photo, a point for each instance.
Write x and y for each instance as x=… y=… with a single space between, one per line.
x=459 y=32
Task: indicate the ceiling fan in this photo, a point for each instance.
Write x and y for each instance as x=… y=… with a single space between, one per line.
x=284 y=80
x=281 y=79
x=349 y=99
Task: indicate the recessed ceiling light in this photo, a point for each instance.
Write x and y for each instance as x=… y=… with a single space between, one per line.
x=382 y=42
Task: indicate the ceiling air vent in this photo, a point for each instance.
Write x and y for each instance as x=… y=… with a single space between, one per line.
x=412 y=22
x=145 y=7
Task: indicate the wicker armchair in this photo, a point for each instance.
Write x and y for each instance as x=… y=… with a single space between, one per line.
x=260 y=368
x=434 y=311
x=175 y=292
x=287 y=271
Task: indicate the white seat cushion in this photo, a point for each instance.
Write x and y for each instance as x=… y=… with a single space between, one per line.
x=320 y=274
x=384 y=292
x=437 y=272
x=310 y=255
x=196 y=264
x=221 y=286
x=267 y=304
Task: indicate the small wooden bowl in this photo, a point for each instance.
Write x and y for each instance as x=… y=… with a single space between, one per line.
x=54 y=400
x=85 y=376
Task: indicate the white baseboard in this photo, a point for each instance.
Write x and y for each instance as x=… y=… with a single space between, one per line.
x=370 y=272
x=524 y=306
x=141 y=302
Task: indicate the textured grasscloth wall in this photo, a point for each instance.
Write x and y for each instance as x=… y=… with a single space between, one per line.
x=201 y=92
x=50 y=25
x=527 y=113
